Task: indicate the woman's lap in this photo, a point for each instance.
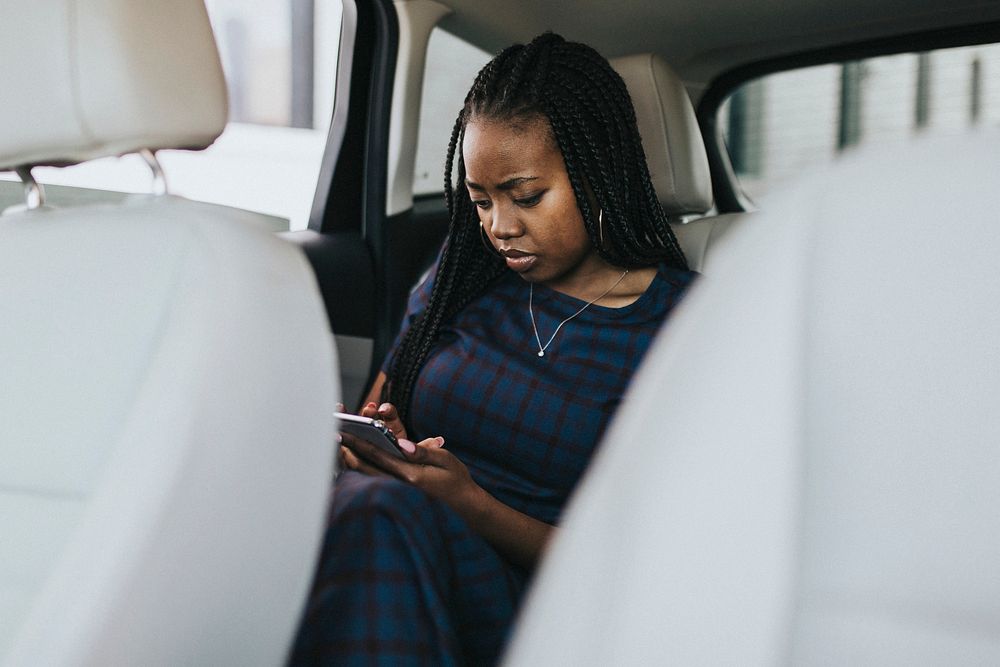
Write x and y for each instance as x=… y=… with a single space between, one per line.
x=403 y=580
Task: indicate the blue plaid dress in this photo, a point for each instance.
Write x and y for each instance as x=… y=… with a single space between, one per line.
x=402 y=579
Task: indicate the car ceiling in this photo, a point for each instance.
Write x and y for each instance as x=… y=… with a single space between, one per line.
x=706 y=38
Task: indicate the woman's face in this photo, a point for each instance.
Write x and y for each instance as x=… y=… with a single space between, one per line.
x=517 y=180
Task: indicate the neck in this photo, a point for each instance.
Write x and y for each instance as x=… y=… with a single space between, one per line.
x=587 y=280
x=591 y=284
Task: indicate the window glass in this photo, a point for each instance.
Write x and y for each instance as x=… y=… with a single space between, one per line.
x=779 y=125
x=280 y=60
x=452 y=65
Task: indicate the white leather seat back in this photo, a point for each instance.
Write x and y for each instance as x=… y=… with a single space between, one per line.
x=106 y=77
x=166 y=443
x=805 y=470
x=675 y=153
x=699 y=238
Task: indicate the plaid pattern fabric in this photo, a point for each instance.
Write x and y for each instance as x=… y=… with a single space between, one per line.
x=402 y=579
x=526 y=426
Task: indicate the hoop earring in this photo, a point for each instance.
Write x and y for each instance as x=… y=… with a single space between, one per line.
x=486 y=242
x=600 y=226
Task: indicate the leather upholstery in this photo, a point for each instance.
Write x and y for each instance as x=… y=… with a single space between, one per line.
x=166 y=442
x=805 y=469
x=106 y=77
x=698 y=238
x=671 y=139
x=675 y=153
x=165 y=437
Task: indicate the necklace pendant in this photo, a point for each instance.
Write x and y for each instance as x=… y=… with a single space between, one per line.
x=531 y=312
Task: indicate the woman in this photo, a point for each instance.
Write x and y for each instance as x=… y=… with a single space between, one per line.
x=558 y=269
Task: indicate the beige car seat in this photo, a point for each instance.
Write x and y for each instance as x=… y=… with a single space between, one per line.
x=805 y=469
x=168 y=373
x=675 y=153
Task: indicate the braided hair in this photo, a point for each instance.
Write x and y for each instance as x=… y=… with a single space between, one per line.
x=593 y=122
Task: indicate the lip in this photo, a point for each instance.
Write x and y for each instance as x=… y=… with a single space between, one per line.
x=518 y=260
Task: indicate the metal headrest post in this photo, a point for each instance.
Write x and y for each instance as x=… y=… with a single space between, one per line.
x=159 y=178
x=34 y=195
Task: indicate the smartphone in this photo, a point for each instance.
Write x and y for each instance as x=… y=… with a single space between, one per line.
x=370 y=430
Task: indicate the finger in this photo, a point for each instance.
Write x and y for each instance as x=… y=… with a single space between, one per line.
x=425 y=452
x=347 y=458
x=341 y=407
x=373 y=455
x=387 y=412
x=353 y=462
x=432 y=443
x=369 y=410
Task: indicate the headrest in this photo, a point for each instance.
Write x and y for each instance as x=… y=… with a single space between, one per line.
x=670 y=135
x=93 y=78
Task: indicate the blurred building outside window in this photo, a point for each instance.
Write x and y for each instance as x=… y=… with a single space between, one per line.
x=782 y=124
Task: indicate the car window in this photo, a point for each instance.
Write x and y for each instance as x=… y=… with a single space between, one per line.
x=781 y=124
x=452 y=65
x=280 y=59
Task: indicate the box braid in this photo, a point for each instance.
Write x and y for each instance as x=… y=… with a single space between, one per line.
x=593 y=123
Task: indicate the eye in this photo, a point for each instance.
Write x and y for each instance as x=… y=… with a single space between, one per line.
x=530 y=200
x=481 y=203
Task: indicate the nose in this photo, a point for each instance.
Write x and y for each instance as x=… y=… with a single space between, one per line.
x=504 y=223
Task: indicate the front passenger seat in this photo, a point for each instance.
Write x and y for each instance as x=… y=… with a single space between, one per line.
x=167 y=369
x=805 y=469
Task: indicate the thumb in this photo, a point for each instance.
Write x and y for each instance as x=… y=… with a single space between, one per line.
x=425 y=449
x=433 y=443
x=387 y=411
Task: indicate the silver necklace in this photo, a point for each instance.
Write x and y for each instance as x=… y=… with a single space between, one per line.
x=531 y=313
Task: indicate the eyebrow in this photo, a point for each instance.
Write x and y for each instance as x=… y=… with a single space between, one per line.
x=509 y=184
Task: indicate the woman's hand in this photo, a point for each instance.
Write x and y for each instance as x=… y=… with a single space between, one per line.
x=427 y=466
x=440 y=474
x=431 y=467
x=386 y=412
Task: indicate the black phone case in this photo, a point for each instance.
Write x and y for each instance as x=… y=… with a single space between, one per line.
x=371 y=430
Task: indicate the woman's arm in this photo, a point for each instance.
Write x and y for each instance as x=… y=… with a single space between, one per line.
x=517 y=536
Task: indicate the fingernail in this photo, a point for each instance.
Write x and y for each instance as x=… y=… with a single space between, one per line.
x=370 y=405
x=440 y=441
x=340 y=438
x=341 y=408
x=385 y=408
x=407 y=445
